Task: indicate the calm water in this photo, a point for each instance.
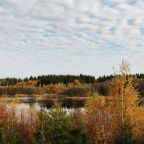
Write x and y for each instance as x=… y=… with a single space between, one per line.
x=47 y=102
x=28 y=102
x=26 y=106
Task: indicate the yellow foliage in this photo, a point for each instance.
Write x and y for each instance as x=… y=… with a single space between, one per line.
x=98 y=122
x=103 y=116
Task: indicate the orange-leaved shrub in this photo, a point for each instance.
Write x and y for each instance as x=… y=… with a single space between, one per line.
x=103 y=117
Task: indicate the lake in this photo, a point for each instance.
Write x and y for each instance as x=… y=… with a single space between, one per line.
x=36 y=102
x=24 y=107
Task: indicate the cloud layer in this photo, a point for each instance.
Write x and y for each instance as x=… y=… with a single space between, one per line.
x=70 y=36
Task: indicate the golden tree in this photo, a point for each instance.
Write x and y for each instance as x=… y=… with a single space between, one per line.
x=121 y=103
x=122 y=94
x=103 y=117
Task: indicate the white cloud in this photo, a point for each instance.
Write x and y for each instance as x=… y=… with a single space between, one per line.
x=58 y=36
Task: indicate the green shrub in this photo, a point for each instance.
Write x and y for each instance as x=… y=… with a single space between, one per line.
x=126 y=135
x=56 y=127
x=9 y=134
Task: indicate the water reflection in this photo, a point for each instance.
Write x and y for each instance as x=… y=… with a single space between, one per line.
x=24 y=109
x=36 y=102
x=47 y=102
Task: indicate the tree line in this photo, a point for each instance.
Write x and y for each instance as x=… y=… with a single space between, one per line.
x=110 y=77
x=65 y=79
x=49 y=79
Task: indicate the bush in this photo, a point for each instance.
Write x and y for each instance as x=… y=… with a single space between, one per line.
x=99 y=124
x=101 y=88
x=140 y=87
x=82 y=91
x=17 y=90
x=55 y=127
x=126 y=135
x=9 y=134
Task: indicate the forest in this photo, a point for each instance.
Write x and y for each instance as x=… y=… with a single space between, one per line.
x=111 y=114
x=70 y=85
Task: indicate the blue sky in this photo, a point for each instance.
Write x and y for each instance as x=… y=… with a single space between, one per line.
x=70 y=36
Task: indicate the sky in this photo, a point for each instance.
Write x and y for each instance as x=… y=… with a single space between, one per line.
x=70 y=36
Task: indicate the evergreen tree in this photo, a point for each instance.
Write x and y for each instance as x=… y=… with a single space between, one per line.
x=56 y=127
x=126 y=135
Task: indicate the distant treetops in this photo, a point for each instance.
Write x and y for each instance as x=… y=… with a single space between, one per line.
x=65 y=79
x=49 y=79
x=52 y=79
x=110 y=77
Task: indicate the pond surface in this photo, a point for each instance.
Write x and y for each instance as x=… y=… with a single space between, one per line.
x=25 y=106
x=48 y=102
x=43 y=101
